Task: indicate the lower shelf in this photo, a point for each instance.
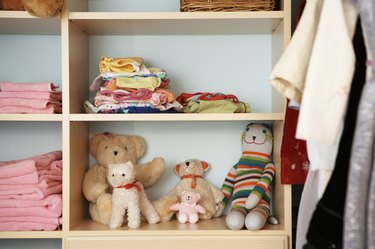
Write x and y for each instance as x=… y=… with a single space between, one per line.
x=31 y=235
x=214 y=226
x=181 y=242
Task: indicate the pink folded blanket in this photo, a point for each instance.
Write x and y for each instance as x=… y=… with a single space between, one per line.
x=52 y=203
x=34 y=219
x=16 y=168
x=24 y=87
x=30 y=178
x=32 y=103
x=51 y=109
x=41 y=161
x=55 y=95
x=27 y=226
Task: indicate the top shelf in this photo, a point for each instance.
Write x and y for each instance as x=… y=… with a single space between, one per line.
x=146 y=23
x=22 y=23
x=177 y=23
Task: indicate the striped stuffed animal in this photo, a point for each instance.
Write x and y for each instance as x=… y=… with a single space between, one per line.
x=248 y=182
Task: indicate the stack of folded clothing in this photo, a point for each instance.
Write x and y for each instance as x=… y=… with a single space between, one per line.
x=207 y=102
x=30 y=193
x=126 y=85
x=37 y=98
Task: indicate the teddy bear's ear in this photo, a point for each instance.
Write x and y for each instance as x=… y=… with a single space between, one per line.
x=140 y=145
x=95 y=140
x=177 y=169
x=199 y=196
x=204 y=165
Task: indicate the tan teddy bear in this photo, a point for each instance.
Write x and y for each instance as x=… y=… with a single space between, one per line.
x=191 y=179
x=112 y=149
x=39 y=8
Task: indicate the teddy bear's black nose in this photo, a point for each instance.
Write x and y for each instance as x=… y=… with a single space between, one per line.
x=254 y=137
x=187 y=163
x=115 y=152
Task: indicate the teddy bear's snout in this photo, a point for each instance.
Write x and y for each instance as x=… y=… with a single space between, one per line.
x=115 y=152
x=254 y=137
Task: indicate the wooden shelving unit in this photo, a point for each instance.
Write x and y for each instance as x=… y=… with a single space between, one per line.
x=75 y=28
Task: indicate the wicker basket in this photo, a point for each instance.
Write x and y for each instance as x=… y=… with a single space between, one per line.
x=226 y=5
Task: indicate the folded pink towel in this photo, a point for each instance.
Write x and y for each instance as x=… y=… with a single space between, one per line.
x=34 y=219
x=30 y=178
x=52 y=202
x=30 y=191
x=27 y=226
x=55 y=95
x=55 y=165
x=51 y=109
x=25 y=87
x=41 y=161
x=31 y=211
x=16 y=168
x=32 y=103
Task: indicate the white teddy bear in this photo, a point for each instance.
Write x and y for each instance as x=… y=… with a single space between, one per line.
x=128 y=194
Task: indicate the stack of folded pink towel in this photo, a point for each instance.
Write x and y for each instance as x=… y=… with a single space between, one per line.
x=40 y=98
x=31 y=193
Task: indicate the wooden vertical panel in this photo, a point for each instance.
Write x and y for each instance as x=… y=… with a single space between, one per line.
x=78 y=68
x=79 y=162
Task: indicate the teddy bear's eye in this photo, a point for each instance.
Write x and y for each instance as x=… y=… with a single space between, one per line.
x=264 y=131
x=106 y=147
x=123 y=175
x=113 y=175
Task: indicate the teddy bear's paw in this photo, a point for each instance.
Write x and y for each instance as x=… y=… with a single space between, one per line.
x=219 y=209
x=182 y=218
x=235 y=220
x=252 y=201
x=159 y=164
x=193 y=218
x=114 y=225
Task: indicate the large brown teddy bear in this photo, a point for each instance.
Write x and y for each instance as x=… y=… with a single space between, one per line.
x=191 y=179
x=39 y=8
x=113 y=149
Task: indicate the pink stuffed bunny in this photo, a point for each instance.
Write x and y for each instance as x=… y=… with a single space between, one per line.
x=188 y=209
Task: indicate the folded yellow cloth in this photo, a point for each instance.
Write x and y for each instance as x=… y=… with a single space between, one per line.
x=150 y=83
x=120 y=65
x=216 y=106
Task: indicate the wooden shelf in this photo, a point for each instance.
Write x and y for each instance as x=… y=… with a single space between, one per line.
x=177 y=23
x=31 y=234
x=214 y=226
x=22 y=23
x=179 y=117
x=31 y=117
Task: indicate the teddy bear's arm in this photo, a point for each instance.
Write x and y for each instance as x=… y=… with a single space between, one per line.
x=262 y=185
x=150 y=172
x=176 y=207
x=218 y=194
x=94 y=183
x=200 y=209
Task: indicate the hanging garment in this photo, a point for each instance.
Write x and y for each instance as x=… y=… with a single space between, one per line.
x=329 y=74
x=359 y=227
x=326 y=226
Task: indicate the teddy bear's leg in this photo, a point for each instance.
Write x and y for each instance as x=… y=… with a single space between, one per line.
x=193 y=218
x=134 y=214
x=148 y=210
x=210 y=206
x=149 y=173
x=235 y=219
x=163 y=205
x=257 y=218
x=101 y=211
x=182 y=218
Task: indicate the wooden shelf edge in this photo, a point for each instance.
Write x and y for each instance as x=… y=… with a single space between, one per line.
x=21 y=15
x=30 y=234
x=175 y=15
x=213 y=227
x=179 y=117
x=31 y=117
